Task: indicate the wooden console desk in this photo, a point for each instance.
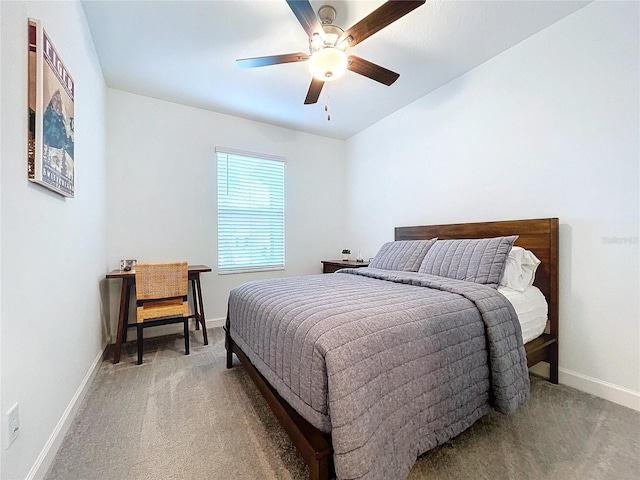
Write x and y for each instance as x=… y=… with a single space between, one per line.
x=129 y=280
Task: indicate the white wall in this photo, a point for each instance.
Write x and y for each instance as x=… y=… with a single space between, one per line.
x=162 y=179
x=1 y=238
x=548 y=128
x=53 y=250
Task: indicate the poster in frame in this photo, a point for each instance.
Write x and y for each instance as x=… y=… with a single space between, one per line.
x=51 y=115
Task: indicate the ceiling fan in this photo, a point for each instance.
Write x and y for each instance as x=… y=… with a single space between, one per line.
x=328 y=44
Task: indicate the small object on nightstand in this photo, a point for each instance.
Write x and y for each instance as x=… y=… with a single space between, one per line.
x=330 y=266
x=359 y=257
x=345 y=254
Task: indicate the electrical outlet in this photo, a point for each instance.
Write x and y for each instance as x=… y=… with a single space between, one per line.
x=13 y=424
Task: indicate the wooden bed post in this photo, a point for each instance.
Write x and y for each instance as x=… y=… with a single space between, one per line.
x=227 y=342
x=553 y=298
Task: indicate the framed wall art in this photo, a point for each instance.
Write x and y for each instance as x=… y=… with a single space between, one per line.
x=51 y=115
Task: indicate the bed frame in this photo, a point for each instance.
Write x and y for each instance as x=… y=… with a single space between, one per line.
x=539 y=235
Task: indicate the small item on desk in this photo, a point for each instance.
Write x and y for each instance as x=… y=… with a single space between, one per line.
x=345 y=254
x=127 y=265
x=359 y=258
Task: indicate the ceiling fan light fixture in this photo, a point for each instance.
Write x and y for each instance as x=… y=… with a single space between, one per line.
x=328 y=64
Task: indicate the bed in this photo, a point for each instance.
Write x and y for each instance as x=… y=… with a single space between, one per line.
x=364 y=410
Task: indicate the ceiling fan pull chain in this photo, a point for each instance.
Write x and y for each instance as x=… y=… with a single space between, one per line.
x=326 y=105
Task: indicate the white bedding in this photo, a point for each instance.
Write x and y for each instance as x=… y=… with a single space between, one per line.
x=531 y=307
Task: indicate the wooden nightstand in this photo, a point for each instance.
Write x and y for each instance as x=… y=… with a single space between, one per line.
x=330 y=266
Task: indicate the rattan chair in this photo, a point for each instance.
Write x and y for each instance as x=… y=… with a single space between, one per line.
x=161 y=293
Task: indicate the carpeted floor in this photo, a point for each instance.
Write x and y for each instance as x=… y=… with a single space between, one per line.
x=188 y=417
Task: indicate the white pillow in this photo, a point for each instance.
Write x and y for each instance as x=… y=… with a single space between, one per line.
x=520 y=269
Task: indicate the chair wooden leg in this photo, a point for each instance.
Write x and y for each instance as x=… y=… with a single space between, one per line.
x=140 y=329
x=186 y=336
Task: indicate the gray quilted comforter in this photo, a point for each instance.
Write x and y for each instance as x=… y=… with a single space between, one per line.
x=391 y=363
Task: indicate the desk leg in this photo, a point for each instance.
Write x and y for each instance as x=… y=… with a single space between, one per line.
x=195 y=302
x=123 y=317
x=201 y=310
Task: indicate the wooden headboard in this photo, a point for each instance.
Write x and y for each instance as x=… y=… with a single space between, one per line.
x=538 y=235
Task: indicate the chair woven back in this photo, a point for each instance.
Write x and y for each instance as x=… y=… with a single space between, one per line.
x=161 y=280
x=161 y=290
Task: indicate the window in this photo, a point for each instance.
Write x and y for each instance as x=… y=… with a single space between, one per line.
x=250 y=212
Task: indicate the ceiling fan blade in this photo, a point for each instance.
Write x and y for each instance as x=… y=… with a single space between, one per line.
x=384 y=15
x=307 y=17
x=371 y=70
x=314 y=91
x=272 y=60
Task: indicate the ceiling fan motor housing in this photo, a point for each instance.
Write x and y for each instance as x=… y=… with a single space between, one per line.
x=332 y=34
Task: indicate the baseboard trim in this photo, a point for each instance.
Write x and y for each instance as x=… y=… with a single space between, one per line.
x=609 y=391
x=48 y=453
x=216 y=322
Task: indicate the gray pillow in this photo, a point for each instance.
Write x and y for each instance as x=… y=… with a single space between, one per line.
x=404 y=255
x=473 y=260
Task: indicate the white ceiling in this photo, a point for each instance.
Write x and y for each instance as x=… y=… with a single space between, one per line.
x=185 y=51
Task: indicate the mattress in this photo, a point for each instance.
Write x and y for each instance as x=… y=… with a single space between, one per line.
x=531 y=308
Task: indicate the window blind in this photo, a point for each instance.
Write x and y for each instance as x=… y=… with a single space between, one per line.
x=251 y=230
